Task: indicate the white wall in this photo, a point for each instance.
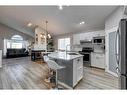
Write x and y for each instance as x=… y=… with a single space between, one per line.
x=7 y=32
x=114 y=18
x=111 y=25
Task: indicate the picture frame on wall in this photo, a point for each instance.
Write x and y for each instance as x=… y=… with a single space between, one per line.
x=36 y=38
x=42 y=38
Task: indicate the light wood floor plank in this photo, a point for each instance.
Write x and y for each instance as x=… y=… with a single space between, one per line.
x=22 y=73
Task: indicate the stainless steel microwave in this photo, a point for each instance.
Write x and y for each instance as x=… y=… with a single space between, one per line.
x=98 y=40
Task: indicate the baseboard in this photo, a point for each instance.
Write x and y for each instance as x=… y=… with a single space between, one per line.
x=64 y=85
x=108 y=71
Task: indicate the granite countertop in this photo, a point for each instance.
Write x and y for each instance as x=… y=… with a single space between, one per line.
x=64 y=55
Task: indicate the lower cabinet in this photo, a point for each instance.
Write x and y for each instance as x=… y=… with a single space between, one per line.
x=98 y=60
x=77 y=70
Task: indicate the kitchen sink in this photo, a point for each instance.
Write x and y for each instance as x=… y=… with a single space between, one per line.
x=72 y=53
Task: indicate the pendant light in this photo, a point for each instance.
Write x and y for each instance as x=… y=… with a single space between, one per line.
x=48 y=35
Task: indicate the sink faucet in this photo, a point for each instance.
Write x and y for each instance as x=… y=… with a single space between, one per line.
x=71 y=46
x=67 y=47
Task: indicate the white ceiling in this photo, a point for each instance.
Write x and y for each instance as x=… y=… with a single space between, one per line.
x=60 y=21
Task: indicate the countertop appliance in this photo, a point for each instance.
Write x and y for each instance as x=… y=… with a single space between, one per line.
x=86 y=51
x=98 y=40
x=121 y=53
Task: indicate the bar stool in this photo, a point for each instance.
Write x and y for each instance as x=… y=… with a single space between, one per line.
x=54 y=66
x=46 y=58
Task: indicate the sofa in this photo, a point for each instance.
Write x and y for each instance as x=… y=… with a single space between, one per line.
x=13 y=53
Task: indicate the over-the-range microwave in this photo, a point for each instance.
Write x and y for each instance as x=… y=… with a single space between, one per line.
x=98 y=40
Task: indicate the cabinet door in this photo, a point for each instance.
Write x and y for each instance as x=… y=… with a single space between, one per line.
x=98 y=60
x=78 y=70
x=79 y=62
x=75 y=39
x=74 y=72
x=79 y=73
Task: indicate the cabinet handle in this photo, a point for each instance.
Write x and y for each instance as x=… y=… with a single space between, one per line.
x=78 y=60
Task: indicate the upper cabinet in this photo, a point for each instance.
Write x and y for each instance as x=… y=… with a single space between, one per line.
x=87 y=36
x=76 y=39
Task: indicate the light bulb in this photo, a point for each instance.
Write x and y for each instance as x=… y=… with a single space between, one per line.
x=29 y=24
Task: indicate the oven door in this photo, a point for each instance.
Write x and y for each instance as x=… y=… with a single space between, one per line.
x=86 y=58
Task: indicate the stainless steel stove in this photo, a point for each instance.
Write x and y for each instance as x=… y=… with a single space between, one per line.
x=86 y=51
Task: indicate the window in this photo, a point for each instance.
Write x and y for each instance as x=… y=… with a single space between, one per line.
x=16 y=45
x=17 y=37
x=15 y=42
x=62 y=43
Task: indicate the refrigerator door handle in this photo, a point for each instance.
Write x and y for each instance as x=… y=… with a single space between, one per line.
x=117 y=52
x=124 y=75
x=118 y=71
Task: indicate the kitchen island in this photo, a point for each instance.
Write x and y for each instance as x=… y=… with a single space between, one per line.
x=73 y=71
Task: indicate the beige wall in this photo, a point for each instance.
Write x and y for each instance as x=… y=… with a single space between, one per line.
x=7 y=32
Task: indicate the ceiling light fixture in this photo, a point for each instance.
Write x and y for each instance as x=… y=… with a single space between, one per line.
x=44 y=36
x=49 y=35
x=41 y=35
x=60 y=7
x=82 y=23
x=29 y=24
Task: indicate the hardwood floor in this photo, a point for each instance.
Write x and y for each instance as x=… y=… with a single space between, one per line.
x=97 y=79
x=22 y=73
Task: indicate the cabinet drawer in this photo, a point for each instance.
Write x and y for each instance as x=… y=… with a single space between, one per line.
x=79 y=62
x=99 y=55
x=98 y=60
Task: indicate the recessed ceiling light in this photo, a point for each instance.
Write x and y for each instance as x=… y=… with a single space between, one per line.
x=29 y=24
x=82 y=23
x=60 y=7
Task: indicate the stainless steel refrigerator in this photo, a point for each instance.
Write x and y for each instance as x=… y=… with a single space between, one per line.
x=121 y=53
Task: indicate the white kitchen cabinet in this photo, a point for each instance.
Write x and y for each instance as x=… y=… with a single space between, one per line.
x=76 y=39
x=0 y=58
x=87 y=36
x=98 y=60
x=77 y=70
